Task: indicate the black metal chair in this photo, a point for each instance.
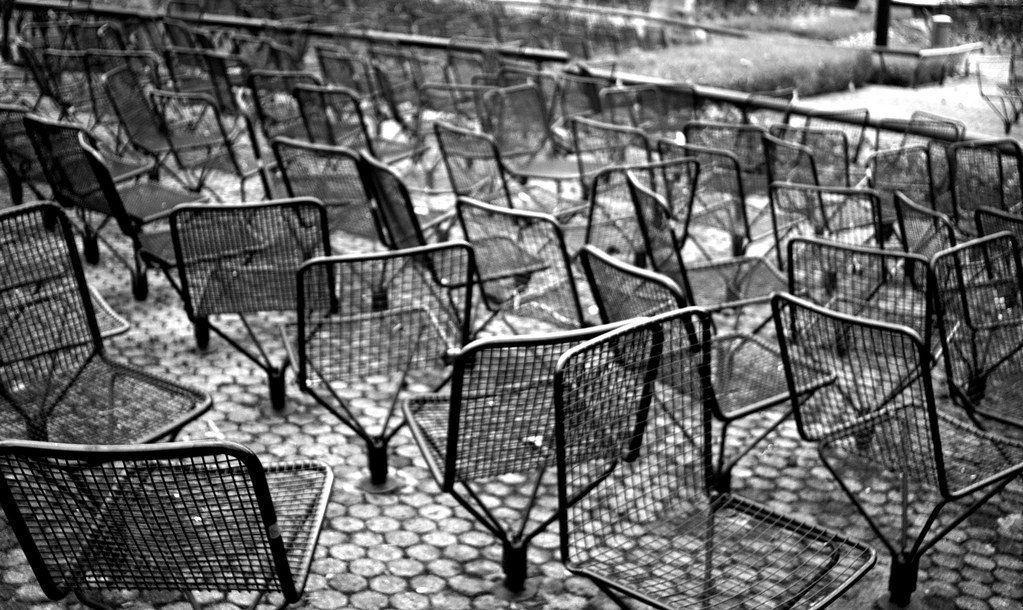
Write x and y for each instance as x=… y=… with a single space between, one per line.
x=497 y=425
x=852 y=121
x=17 y=157
x=640 y=515
x=990 y=221
x=831 y=149
x=97 y=184
x=238 y=266
x=523 y=264
x=330 y=174
x=57 y=382
x=977 y=289
x=906 y=170
x=901 y=460
x=598 y=145
x=984 y=173
x=1000 y=86
x=177 y=516
x=741 y=139
x=661 y=111
x=921 y=229
x=404 y=223
x=401 y=315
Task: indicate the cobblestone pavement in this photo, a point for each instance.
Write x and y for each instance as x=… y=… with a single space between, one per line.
x=417 y=548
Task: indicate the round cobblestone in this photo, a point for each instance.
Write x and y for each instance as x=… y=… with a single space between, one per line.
x=369 y=600
x=367 y=568
x=348 y=583
x=407 y=600
x=328 y=600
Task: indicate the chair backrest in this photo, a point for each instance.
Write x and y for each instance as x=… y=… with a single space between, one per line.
x=377 y=314
x=743 y=140
x=906 y=170
x=332 y=175
x=244 y=258
x=71 y=172
x=622 y=291
x=611 y=223
x=830 y=147
x=95 y=517
x=523 y=262
x=984 y=173
x=501 y=419
x=990 y=221
x=657 y=110
x=394 y=205
x=105 y=35
x=454 y=103
x=333 y=115
x=473 y=162
x=884 y=285
x=17 y=157
x=274 y=100
x=518 y=119
x=977 y=289
x=790 y=162
x=921 y=229
x=852 y=121
x=598 y=144
x=874 y=382
x=342 y=68
x=579 y=95
x=140 y=119
x=48 y=316
x=842 y=214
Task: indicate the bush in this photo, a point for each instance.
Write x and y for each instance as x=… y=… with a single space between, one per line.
x=757 y=63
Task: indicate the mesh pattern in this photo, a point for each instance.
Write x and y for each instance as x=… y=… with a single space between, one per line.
x=459 y=104
x=852 y=122
x=519 y=119
x=16 y=153
x=612 y=224
x=901 y=169
x=332 y=116
x=343 y=69
x=981 y=321
x=745 y=141
x=836 y=213
x=391 y=313
x=66 y=165
x=650 y=528
x=471 y=159
x=330 y=174
x=921 y=229
x=244 y=259
x=523 y=264
x=580 y=95
x=830 y=149
x=886 y=286
x=790 y=162
x=69 y=79
x=990 y=221
x=623 y=292
x=143 y=125
x=599 y=145
x=664 y=110
x=180 y=522
x=273 y=97
x=397 y=214
x=983 y=175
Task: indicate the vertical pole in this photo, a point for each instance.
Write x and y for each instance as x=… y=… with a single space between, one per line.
x=883 y=16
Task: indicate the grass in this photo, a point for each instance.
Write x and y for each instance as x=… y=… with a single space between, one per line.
x=763 y=62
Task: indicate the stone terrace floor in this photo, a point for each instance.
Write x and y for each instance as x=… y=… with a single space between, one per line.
x=418 y=549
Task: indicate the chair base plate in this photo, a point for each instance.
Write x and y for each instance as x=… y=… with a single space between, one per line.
x=502 y=592
x=396 y=481
x=884 y=603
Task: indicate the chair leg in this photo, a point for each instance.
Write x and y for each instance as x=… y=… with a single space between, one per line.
x=90 y=246
x=516 y=586
x=275 y=381
x=902 y=580
x=380 y=480
x=140 y=284
x=201 y=330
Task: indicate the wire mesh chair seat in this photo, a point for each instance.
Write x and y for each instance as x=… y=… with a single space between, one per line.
x=984 y=173
x=94 y=519
x=96 y=184
x=639 y=514
x=496 y=425
x=330 y=174
x=178 y=131
x=978 y=291
x=523 y=265
x=400 y=315
x=56 y=381
x=238 y=265
x=998 y=78
x=878 y=427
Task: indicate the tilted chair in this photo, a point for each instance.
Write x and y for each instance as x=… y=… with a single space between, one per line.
x=984 y=173
x=17 y=157
x=598 y=145
x=921 y=229
x=497 y=423
x=198 y=516
x=405 y=224
x=332 y=175
x=639 y=514
x=977 y=289
x=400 y=315
x=57 y=382
x=240 y=262
x=92 y=183
x=904 y=170
x=900 y=459
x=523 y=264
x=831 y=150
x=741 y=139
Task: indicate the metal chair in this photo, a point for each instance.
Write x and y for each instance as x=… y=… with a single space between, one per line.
x=273 y=105
x=405 y=224
x=400 y=315
x=880 y=433
x=921 y=229
x=17 y=157
x=741 y=139
x=186 y=130
x=96 y=184
x=639 y=514
x=332 y=175
x=984 y=173
x=936 y=133
x=1000 y=86
x=523 y=264
x=178 y=516
x=977 y=288
x=454 y=103
x=831 y=149
x=497 y=426
x=990 y=221
x=906 y=170
x=852 y=121
x=599 y=145
x=240 y=262
x=661 y=111
x=57 y=382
